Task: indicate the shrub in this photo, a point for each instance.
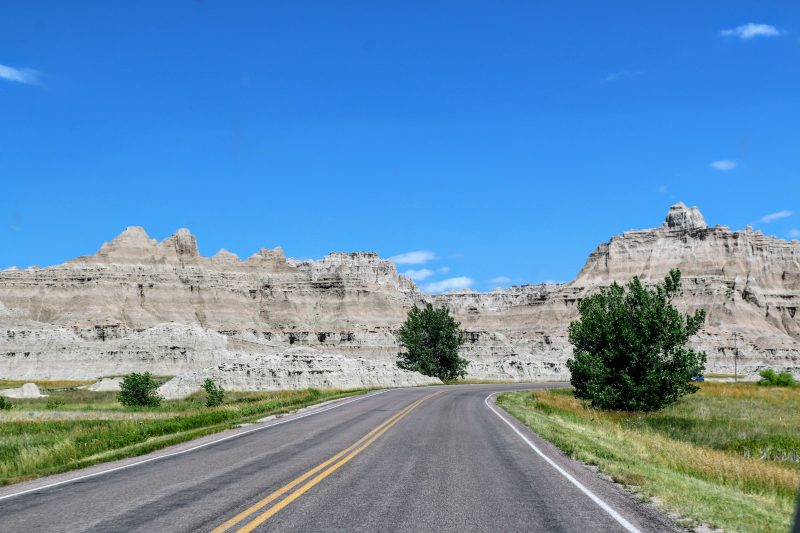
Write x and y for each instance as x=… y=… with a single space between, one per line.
x=770 y=378
x=630 y=347
x=54 y=404
x=214 y=393
x=139 y=390
x=5 y=404
x=432 y=338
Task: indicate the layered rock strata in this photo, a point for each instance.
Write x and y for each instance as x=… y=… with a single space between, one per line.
x=267 y=322
x=748 y=283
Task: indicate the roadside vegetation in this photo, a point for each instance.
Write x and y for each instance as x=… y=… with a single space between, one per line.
x=74 y=428
x=139 y=390
x=728 y=456
x=770 y=378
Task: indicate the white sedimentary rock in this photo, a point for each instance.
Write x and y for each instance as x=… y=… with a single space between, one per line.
x=105 y=385
x=267 y=322
x=28 y=390
x=748 y=283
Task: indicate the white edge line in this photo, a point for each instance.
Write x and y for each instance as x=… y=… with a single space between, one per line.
x=603 y=505
x=193 y=448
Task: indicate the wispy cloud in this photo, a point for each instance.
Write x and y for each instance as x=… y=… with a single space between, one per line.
x=500 y=279
x=622 y=75
x=418 y=275
x=443 y=270
x=460 y=282
x=723 y=165
x=794 y=233
x=772 y=217
x=416 y=257
x=751 y=30
x=20 y=75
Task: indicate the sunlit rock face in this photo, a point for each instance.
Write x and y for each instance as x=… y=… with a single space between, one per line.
x=748 y=283
x=266 y=322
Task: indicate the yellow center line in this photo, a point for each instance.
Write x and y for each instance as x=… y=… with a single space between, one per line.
x=369 y=438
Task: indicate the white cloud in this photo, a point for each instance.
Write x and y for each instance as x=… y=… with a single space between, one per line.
x=723 y=165
x=772 y=217
x=663 y=189
x=461 y=282
x=500 y=279
x=24 y=75
x=623 y=75
x=794 y=233
x=417 y=257
x=418 y=275
x=750 y=30
x=443 y=270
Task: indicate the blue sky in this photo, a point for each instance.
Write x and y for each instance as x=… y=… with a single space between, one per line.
x=504 y=139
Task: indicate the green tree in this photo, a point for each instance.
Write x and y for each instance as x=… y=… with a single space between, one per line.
x=139 y=390
x=770 y=378
x=630 y=347
x=214 y=393
x=431 y=338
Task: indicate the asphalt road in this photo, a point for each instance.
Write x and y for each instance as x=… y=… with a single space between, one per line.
x=417 y=459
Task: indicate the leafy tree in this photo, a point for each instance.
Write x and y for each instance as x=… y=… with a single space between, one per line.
x=431 y=338
x=630 y=347
x=770 y=378
x=139 y=390
x=214 y=393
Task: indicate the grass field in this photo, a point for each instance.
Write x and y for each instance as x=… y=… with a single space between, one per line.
x=71 y=428
x=728 y=456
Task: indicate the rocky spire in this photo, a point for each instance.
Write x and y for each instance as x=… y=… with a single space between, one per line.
x=129 y=246
x=183 y=243
x=682 y=217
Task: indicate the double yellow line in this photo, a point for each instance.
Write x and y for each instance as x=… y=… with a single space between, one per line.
x=327 y=467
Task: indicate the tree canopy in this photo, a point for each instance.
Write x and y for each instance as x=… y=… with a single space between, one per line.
x=431 y=338
x=139 y=390
x=630 y=347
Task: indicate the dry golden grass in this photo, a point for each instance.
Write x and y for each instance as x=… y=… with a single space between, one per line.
x=688 y=456
x=43 y=384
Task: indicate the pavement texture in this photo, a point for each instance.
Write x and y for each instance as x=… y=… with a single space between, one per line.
x=417 y=459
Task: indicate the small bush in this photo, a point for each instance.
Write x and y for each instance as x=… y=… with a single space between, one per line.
x=139 y=390
x=54 y=404
x=214 y=393
x=5 y=404
x=770 y=378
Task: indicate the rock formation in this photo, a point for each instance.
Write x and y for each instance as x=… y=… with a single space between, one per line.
x=748 y=283
x=268 y=322
x=28 y=390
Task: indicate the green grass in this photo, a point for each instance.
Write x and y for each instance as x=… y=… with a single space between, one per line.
x=726 y=456
x=39 y=447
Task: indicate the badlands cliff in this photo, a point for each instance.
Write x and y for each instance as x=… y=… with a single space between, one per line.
x=268 y=322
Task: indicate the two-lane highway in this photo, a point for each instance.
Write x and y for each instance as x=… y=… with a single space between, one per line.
x=417 y=459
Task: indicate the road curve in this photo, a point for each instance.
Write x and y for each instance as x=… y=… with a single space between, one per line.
x=417 y=459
